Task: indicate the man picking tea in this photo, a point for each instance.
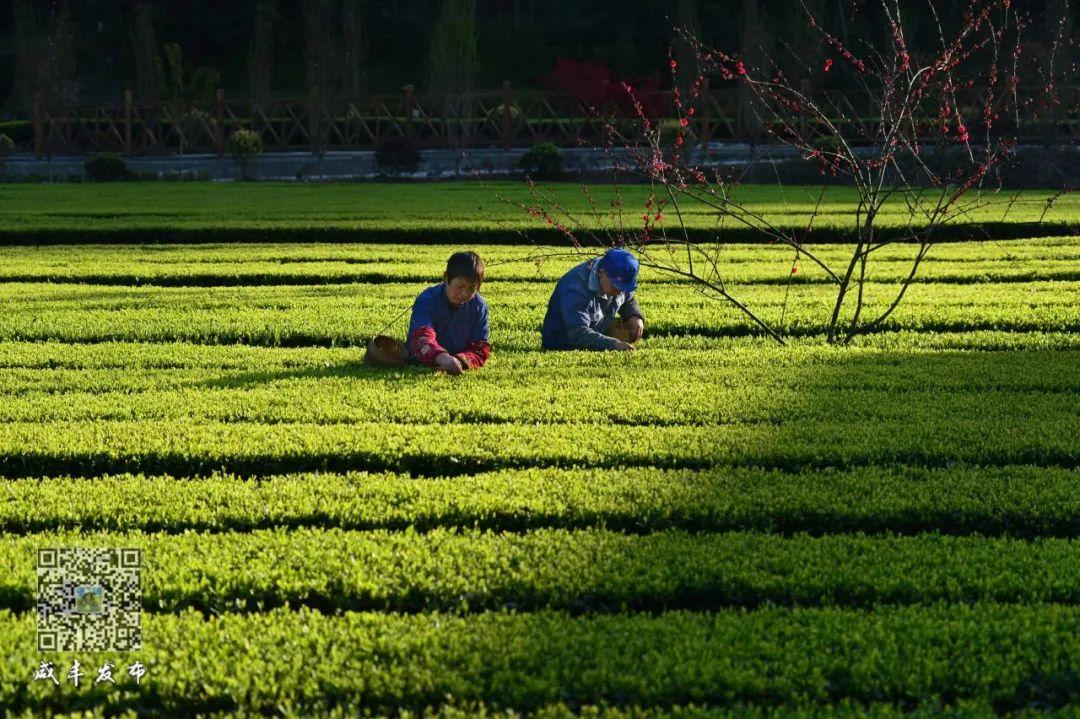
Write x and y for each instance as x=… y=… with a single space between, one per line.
x=582 y=308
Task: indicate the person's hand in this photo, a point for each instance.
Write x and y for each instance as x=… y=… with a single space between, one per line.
x=448 y=363
x=636 y=327
x=623 y=346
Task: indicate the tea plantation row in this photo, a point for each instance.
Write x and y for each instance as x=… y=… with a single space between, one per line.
x=1024 y=501
x=350 y=314
x=437 y=212
x=466 y=570
x=298 y=662
x=307 y=264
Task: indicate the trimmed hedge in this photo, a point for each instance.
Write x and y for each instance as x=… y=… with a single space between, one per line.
x=1022 y=501
x=1006 y=657
x=590 y=570
x=987 y=231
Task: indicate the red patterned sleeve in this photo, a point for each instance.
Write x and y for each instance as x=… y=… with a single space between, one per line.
x=476 y=354
x=423 y=345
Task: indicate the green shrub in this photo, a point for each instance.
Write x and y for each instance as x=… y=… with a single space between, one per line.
x=107 y=167
x=21 y=131
x=495 y=117
x=397 y=156
x=669 y=131
x=827 y=143
x=244 y=146
x=543 y=159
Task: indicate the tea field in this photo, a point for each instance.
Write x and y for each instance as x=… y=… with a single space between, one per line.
x=713 y=525
x=438 y=212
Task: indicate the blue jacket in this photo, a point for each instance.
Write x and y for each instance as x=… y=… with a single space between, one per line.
x=454 y=328
x=579 y=314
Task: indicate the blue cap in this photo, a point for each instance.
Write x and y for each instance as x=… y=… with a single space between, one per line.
x=621 y=268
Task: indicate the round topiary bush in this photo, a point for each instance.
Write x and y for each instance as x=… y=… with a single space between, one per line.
x=107 y=167
x=243 y=146
x=543 y=160
x=397 y=156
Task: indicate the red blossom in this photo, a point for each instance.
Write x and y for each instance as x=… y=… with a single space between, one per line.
x=740 y=68
x=828 y=64
x=901 y=48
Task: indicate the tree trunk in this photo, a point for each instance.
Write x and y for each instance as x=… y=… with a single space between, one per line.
x=452 y=57
x=61 y=83
x=749 y=126
x=27 y=52
x=144 y=45
x=451 y=64
x=261 y=57
x=320 y=47
x=352 y=28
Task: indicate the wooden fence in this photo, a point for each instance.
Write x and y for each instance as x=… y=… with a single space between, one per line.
x=504 y=118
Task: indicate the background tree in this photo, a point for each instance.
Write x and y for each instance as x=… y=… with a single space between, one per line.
x=61 y=77
x=452 y=62
x=517 y=40
x=144 y=54
x=184 y=86
x=354 y=47
x=261 y=54
x=187 y=95
x=750 y=26
x=453 y=53
x=45 y=52
x=320 y=46
x=28 y=49
x=321 y=67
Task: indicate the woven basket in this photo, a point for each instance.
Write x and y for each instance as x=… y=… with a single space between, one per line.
x=620 y=330
x=383 y=351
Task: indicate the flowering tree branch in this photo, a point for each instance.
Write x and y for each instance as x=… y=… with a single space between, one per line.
x=911 y=147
